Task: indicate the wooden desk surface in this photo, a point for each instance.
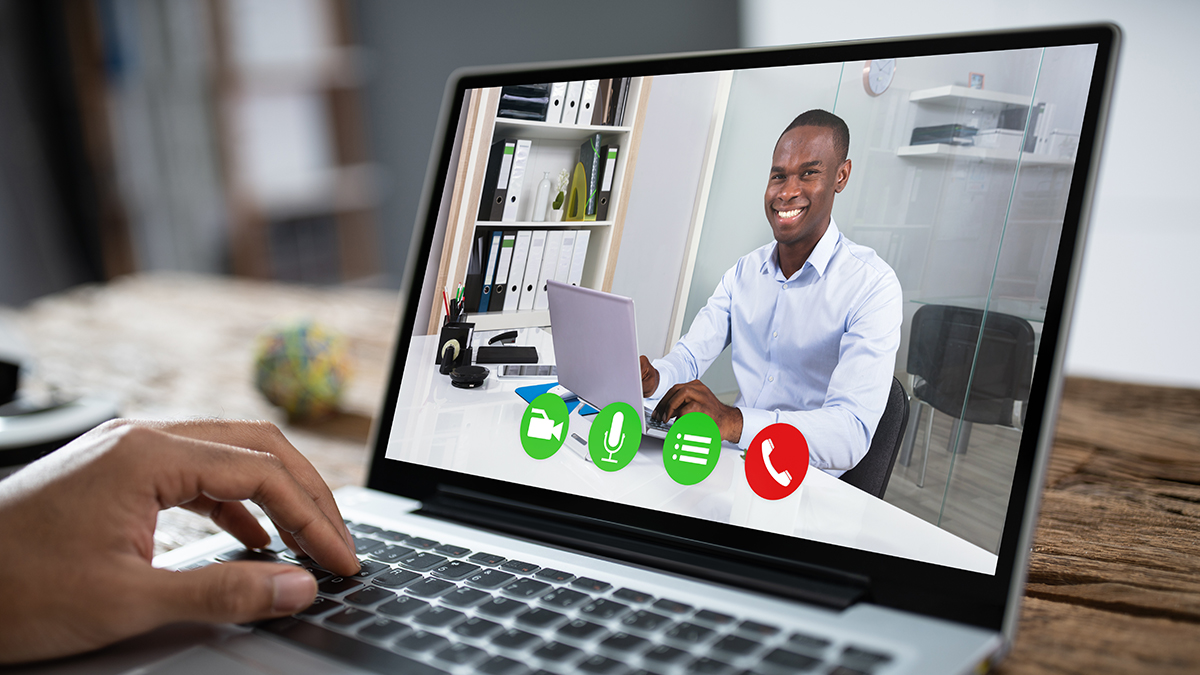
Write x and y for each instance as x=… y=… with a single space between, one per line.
x=1113 y=585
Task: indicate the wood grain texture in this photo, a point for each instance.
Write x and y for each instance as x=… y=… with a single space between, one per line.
x=1113 y=582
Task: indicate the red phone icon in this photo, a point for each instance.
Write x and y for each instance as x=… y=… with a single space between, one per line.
x=777 y=461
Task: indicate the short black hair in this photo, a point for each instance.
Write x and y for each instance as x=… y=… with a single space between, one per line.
x=826 y=120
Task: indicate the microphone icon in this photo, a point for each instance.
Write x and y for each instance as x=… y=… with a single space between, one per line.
x=615 y=431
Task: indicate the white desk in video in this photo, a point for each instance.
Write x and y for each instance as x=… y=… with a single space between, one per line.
x=477 y=431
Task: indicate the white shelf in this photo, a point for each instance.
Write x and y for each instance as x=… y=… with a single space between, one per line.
x=953 y=95
x=566 y=224
x=508 y=320
x=553 y=132
x=946 y=151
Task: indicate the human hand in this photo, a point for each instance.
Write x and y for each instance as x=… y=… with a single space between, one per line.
x=77 y=533
x=649 y=377
x=694 y=396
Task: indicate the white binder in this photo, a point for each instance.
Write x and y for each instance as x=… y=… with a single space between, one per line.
x=516 y=275
x=571 y=106
x=533 y=266
x=515 y=181
x=500 y=284
x=575 y=277
x=565 y=255
x=558 y=99
x=587 y=102
x=549 y=267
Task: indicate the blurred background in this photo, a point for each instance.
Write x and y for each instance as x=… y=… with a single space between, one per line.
x=288 y=140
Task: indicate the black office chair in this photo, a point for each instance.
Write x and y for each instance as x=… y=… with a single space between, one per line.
x=871 y=474
x=943 y=362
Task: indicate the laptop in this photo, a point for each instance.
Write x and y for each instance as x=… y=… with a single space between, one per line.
x=595 y=346
x=974 y=159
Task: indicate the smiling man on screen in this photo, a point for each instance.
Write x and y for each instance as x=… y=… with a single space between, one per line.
x=813 y=318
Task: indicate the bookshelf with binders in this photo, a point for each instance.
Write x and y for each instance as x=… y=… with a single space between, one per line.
x=504 y=154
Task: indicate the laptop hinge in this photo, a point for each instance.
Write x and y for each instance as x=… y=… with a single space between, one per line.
x=767 y=574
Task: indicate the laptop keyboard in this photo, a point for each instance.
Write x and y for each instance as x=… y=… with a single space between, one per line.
x=425 y=606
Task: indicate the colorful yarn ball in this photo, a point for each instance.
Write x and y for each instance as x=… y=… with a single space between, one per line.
x=303 y=369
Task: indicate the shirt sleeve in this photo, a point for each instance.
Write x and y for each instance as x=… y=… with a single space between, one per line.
x=839 y=433
x=707 y=337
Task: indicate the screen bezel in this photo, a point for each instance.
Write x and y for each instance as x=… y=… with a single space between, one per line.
x=930 y=589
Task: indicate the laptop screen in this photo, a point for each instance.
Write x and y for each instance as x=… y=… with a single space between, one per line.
x=799 y=232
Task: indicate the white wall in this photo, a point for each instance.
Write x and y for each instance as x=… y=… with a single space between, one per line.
x=1138 y=310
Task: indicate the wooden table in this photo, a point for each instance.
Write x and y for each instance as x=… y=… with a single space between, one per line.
x=1113 y=585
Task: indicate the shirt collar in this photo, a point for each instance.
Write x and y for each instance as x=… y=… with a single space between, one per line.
x=819 y=258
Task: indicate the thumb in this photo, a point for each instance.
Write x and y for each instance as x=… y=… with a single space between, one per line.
x=237 y=592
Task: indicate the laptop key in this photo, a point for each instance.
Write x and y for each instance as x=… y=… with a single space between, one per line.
x=420 y=542
x=367 y=568
x=515 y=639
x=623 y=643
x=592 y=585
x=348 y=616
x=490 y=579
x=603 y=610
x=421 y=561
x=843 y=670
x=429 y=588
x=369 y=596
x=336 y=585
x=556 y=652
x=666 y=655
x=688 y=633
x=733 y=644
x=242 y=554
x=365 y=545
x=601 y=665
x=630 y=595
x=706 y=666
x=452 y=550
x=455 y=570
x=320 y=573
x=395 y=578
x=581 y=630
x=539 y=618
x=501 y=665
x=477 y=627
x=790 y=661
x=556 y=576
x=460 y=654
x=382 y=629
x=319 y=607
x=808 y=642
x=672 y=607
x=712 y=618
x=863 y=659
x=421 y=641
x=758 y=630
x=391 y=554
x=525 y=588
x=365 y=528
x=564 y=598
x=437 y=617
x=521 y=567
x=402 y=606
x=487 y=558
x=391 y=535
x=500 y=608
x=465 y=597
x=644 y=621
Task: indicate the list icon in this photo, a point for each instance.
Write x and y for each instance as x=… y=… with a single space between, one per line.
x=777 y=461
x=692 y=448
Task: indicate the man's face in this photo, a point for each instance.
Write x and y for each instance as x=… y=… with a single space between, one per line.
x=806 y=172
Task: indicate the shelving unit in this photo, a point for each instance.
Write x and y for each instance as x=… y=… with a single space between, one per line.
x=957 y=97
x=555 y=147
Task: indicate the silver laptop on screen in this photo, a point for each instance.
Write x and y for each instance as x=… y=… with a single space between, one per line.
x=959 y=210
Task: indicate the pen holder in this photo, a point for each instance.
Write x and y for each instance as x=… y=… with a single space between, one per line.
x=454 y=345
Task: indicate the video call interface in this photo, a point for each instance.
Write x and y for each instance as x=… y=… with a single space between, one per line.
x=695 y=196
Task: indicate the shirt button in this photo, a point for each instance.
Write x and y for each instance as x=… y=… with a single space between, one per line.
x=771 y=378
x=775 y=334
x=785 y=285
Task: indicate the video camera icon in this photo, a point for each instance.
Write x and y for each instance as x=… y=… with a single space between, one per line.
x=542 y=427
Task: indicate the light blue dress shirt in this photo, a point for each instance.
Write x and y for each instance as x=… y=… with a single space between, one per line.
x=816 y=350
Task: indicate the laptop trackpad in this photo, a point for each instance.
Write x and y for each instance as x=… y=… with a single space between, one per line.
x=202 y=661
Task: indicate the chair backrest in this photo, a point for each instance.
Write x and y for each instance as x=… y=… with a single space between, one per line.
x=941 y=352
x=875 y=469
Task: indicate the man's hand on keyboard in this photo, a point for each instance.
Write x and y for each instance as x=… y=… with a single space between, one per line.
x=77 y=533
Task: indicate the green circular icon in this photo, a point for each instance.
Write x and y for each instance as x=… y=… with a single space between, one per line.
x=692 y=448
x=544 y=426
x=615 y=436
